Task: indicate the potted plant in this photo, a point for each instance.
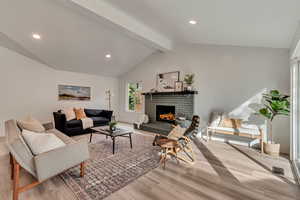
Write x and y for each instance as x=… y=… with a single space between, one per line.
x=189 y=80
x=275 y=104
x=113 y=126
x=138 y=102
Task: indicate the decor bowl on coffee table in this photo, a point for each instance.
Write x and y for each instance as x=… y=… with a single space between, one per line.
x=106 y=173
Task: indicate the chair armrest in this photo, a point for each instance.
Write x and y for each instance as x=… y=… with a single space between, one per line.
x=60 y=121
x=54 y=162
x=107 y=114
x=48 y=126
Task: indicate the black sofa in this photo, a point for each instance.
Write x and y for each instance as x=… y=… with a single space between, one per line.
x=74 y=127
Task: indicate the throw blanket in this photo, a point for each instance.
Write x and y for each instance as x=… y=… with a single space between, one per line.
x=142 y=119
x=87 y=123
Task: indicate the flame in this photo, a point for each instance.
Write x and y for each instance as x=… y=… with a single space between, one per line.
x=168 y=116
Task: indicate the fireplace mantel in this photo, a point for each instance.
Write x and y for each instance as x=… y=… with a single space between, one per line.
x=171 y=93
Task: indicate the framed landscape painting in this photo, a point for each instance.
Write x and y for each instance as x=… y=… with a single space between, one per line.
x=70 y=92
x=166 y=81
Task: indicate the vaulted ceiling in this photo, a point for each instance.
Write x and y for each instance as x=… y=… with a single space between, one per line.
x=260 y=23
x=77 y=34
x=72 y=38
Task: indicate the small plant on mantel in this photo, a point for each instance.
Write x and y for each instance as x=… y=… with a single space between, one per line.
x=275 y=104
x=189 y=80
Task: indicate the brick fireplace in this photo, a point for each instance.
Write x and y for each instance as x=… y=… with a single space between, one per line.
x=160 y=107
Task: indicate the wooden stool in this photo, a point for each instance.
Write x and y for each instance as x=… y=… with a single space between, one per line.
x=168 y=148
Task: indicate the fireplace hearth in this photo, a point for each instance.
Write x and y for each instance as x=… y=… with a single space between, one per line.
x=165 y=113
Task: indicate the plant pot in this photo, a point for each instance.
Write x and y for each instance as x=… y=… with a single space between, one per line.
x=138 y=107
x=272 y=149
x=189 y=88
x=112 y=128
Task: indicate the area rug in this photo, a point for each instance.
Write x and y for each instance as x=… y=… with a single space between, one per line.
x=106 y=173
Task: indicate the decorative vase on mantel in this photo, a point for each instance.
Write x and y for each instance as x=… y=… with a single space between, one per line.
x=189 y=88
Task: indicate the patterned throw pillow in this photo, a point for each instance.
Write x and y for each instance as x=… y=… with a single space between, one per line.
x=231 y=123
x=79 y=113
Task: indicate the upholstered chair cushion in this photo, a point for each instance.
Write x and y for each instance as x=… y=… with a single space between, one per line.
x=40 y=143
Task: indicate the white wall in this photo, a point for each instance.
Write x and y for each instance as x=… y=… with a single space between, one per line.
x=226 y=77
x=28 y=87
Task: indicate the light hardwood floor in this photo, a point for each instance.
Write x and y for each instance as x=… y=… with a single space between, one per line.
x=221 y=172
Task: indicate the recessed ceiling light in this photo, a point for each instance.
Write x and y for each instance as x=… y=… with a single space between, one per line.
x=193 y=22
x=107 y=56
x=36 y=36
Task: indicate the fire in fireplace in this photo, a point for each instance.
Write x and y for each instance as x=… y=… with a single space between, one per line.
x=165 y=113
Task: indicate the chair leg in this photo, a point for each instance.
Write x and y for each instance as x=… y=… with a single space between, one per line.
x=82 y=165
x=11 y=167
x=16 y=180
x=261 y=141
x=11 y=159
x=192 y=153
x=207 y=133
x=261 y=145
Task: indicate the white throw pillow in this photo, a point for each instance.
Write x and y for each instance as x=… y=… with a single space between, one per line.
x=41 y=142
x=216 y=122
x=70 y=113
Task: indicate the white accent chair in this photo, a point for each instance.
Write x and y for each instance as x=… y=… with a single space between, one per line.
x=44 y=165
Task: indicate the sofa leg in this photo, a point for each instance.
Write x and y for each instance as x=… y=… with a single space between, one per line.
x=82 y=165
x=16 y=180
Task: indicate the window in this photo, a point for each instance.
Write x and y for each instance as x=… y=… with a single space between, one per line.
x=295 y=139
x=134 y=97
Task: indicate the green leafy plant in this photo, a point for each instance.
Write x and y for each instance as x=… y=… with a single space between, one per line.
x=131 y=95
x=134 y=95
x=112 y=125
x=275 y=104
x=189 y=79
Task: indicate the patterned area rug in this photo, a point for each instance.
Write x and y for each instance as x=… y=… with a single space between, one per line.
x=106 y=173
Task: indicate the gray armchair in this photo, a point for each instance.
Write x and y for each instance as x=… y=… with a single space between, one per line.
x=45 y=165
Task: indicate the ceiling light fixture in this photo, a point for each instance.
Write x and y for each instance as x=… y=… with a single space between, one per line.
x=107 y=56
x=36 y=36
x=193 y=22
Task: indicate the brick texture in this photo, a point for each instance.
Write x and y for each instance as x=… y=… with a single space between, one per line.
x=184 y=104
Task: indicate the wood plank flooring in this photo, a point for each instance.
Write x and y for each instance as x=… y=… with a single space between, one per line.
x=221 y=172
